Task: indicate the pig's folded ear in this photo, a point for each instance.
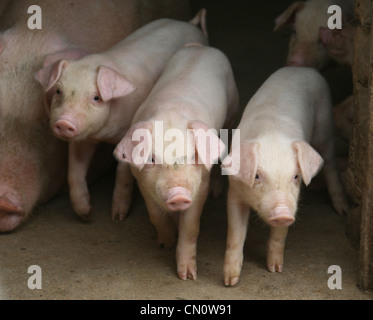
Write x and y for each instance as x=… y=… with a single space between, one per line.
x=242 y=162
x=112 y=85
x=49 y=75
x=309 y=161
x=208 y=145
x=136 y=146
x=288 y=16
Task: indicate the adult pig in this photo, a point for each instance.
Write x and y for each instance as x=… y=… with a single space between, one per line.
x=307 y=18
x=93 y=99
x=32 y=160
x=289 y=113
x=195 y=94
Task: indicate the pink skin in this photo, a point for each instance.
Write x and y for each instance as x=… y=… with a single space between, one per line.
x=195 y=91
x=19 y=189
x=11 y=211
x=65 y=127
x=275 y=158
x=121 y=79
x=178 y=199
x=281 y=217
x=32 y=160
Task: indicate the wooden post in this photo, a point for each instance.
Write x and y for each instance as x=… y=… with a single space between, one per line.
x=366 y=235
x=360 y=172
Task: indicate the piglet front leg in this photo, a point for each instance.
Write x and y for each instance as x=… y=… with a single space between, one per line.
x=80 y=156
x=189 y=223
x=275 y=249
x=165 y=226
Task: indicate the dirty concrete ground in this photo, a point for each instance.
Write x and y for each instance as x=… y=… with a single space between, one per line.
x=107 y=259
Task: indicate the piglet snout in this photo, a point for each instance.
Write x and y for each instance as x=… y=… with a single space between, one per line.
x=65 y=128
x=281 y=217
x=178 y=199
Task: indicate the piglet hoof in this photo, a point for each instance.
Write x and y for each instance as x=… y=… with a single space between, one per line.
x=275 y=263
x=187 y=271
x=80 y=201
x=120 y=210
x=166 y=241
x=83 y=212
x=231 y=281
x=85 y=217
x=342 y=207
x=231 y=275
x=275 y=268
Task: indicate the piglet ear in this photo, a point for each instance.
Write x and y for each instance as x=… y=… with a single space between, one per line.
x=112 y=85
x=310 y=162
x=49 y=75
x=242 y=162
x=136 y=146
x=54 y=63
x=288 y=15
x=208 y=145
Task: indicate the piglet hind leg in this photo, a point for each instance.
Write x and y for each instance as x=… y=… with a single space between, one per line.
x=123 y=190
x=275 y=248
x=324 y=143
x=238 y=217
x=334 y=183
x=217 y=182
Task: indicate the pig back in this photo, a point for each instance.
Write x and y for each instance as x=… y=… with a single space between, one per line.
x=288 y=101
x=143 y=55
x=196 y=80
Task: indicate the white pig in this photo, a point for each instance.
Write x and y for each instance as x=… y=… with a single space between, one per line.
x=290 y=111
x=305 y=47
x=196 y=91
x=94 y=98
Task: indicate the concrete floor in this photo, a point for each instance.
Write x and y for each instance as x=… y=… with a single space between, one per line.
x=107 y=259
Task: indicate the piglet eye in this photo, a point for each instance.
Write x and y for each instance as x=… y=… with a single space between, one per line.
x=58 y=92
x=96 y=98
x=152 y=159
x=296 y=177
x=257 y=177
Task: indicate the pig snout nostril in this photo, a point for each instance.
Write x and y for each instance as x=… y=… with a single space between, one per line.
x=65 y=129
